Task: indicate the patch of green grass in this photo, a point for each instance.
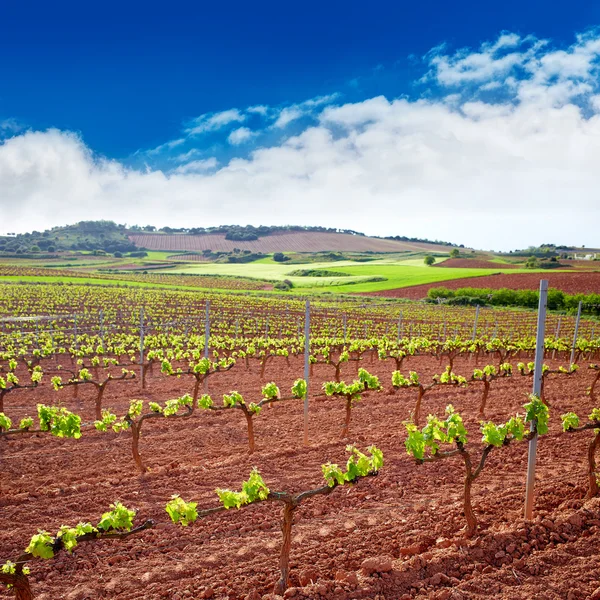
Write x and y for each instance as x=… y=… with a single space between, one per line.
x=358 y=276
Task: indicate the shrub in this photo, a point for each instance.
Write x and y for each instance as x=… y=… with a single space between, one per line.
x=284 y=286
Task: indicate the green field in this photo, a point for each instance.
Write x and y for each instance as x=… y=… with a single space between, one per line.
x=397 y=273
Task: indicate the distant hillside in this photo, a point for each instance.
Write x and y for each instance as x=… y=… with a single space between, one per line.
x=282 y=241
x=112 y=237
x=85 y=235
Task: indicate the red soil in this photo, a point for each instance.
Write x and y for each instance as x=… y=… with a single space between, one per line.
x=474 y=263
x=307 y=241
x=410 y=513
x=571 y=283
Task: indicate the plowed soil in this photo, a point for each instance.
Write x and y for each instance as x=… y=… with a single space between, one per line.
x=473 y=263
x=408 y=518
x=571 y=283
x=302 y=241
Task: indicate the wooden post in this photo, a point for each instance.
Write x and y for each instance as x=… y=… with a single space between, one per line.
x=574 y=346
x=306 y=367
x=537 y=390
x=475 y=323
x=75 y=331
x=399 y=328
x=206 y=328
x=142 y=374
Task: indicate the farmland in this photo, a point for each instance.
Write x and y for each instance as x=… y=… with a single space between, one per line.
x=384 y=456
x=398 y=532
x=571 y=282
x=281 y=242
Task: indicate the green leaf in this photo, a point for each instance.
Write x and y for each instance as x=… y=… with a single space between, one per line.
x=69 y=535
x=569 y=421
x=537 y=412
x=119 y=518
x=299 y=388
x=180 y=511
x=135 y=408
x=26 y=423
x=333 y=474
x=492 y=434
x=59 y=421
x=230 y=400
x=270 y=391
x=41 y=545
x=205 y=402
x=515 y=427
x=415 y=442
x=5 y=422
x=108 y=419
x=253 y=489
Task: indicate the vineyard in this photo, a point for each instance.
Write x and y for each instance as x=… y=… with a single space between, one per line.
x=575 y=282
x=281 y=242
x=186 y=444
x=20 y=273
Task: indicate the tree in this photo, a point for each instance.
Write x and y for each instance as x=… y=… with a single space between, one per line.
x=134 y=419
x=280 y=257
x=454 y=253
x=235 y=400
x=114 y=524
x=351 y=393
x=424 y=445
x=570 y=423
x=429 y=260
x=486 y=376
x=255 y=490
x=84 y=377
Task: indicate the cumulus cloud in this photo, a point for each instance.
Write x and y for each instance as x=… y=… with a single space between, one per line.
x=499 y=174
x=239 y=136
x=292 y=113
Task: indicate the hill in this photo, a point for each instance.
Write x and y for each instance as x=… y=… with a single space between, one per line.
x=281 y=241
x=111 y=237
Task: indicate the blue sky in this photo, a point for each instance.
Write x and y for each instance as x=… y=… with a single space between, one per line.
x=128 y=75
x=166 y=94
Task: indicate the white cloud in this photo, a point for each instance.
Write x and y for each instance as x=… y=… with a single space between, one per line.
x=239 y=136
x=187 y=156
x=296 y=111
x=258 y=109
x=162 y=148
x=287 y=115
x=501 y=174
x=196 y=166
x=10 y=126
x=215 y=121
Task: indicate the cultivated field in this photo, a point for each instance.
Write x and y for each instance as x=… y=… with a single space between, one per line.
x=282 y=242
x=390 y=531
x=571 y=283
